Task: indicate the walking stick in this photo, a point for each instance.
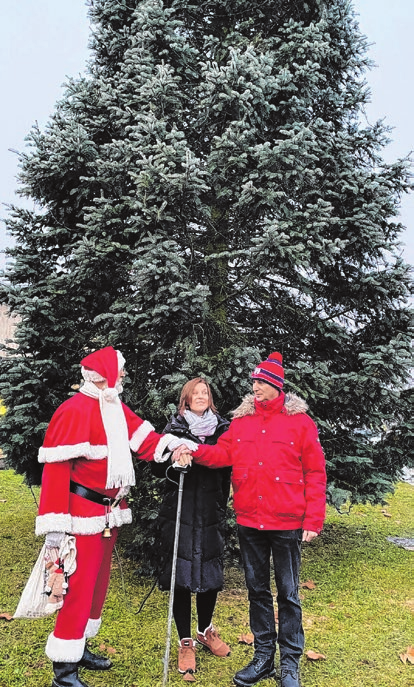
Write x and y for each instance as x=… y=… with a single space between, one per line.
x=182 y=470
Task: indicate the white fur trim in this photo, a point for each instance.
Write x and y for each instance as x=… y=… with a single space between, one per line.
x=53 y=522
x=93 y=525
x=121 y=360
x=293 y=406
x=57 y=454
x=159 y=455
x=92 y=628
x=140 y=435
x=63 y=522
x=64 y=650
x=91 y=375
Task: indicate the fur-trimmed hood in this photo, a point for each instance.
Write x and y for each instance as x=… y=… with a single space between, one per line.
x=293 y=405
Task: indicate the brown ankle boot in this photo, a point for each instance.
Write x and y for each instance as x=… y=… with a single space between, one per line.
x=187 y=657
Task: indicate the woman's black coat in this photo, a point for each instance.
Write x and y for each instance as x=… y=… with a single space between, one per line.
x=201 y=542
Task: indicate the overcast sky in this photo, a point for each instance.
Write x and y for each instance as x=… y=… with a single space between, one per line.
x=43 y=42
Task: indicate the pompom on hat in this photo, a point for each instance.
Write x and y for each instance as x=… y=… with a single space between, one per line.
x=271 y=371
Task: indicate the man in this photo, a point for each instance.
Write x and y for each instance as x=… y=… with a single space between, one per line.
x=279 y=487
x=88 y=471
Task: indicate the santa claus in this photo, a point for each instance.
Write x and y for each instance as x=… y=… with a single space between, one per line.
x=88 y=472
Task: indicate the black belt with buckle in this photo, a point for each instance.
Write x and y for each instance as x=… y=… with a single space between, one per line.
x=90 y=494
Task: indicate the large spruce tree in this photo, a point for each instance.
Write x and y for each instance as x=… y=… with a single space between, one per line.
x=209 y=191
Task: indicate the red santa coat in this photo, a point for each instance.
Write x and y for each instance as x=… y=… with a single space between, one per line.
x=278 y=475
x=75 y=448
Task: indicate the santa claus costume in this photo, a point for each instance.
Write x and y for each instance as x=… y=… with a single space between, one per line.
x=87 y=473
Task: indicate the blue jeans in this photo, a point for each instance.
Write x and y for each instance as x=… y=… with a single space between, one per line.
x=256 y=547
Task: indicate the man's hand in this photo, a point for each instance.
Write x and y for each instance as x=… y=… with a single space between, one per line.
x=182 y=455
x=308 y=535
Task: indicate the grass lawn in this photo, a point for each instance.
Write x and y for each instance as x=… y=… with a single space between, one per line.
x=359 y=615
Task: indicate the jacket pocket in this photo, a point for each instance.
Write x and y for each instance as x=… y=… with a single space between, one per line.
x=242 y=490
x=289 y=493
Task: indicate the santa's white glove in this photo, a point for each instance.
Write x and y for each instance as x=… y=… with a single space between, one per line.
x=54 y=539
x=177 y=441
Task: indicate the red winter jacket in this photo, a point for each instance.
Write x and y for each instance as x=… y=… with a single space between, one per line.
x=278 y=475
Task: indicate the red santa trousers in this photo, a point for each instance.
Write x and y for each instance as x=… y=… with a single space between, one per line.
x=80 y=616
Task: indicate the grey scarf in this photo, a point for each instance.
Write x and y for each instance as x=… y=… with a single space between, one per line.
x=201 y=426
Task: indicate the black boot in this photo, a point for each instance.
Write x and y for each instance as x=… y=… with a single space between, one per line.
x=66 y=675
x=260 y=668
x=289 y=678
x=91 y=661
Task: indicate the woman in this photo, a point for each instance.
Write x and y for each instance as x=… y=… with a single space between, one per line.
x=200 y=551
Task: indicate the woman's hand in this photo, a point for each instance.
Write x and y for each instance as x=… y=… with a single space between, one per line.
x=182 y=455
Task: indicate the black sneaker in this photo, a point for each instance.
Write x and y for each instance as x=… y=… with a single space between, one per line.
x=260 y=668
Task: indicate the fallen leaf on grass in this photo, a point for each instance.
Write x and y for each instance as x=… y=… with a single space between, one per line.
x=108 y=649
x=246 y=638
x=6 y=616
x=309 y=584
x=408 y=656
x=313 y=656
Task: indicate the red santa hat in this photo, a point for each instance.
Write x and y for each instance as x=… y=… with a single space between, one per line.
x=103 y=364
x=271 y=371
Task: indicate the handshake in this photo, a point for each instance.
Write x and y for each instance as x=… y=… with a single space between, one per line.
x=182 y=455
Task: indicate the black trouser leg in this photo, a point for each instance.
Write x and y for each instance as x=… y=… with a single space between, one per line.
x=256 y=547
x=182 y=612
x=255 y=550
x=206 y=603
x=286 y=549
